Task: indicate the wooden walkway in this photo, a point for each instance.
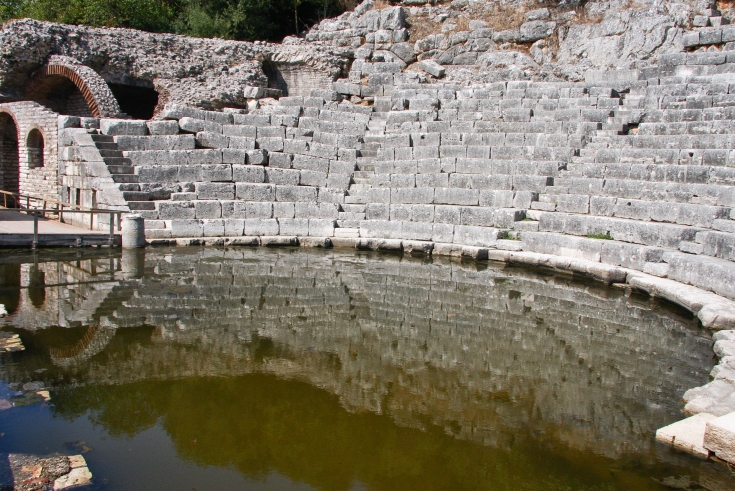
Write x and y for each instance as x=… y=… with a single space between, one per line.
x=16 y=230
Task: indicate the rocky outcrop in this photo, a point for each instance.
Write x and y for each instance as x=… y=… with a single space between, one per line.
x=199 y=72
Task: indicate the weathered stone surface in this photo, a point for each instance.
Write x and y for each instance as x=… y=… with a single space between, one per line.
x=719 y=437
x=687 y=435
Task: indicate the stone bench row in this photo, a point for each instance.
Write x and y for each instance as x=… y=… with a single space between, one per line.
x=305 y=155
x=338 y=178
x=233 y=227
x=475 y=105
x=518 y=138
x=505 y=127
x=721 y=127
x=477 y=167
x=710 y=194
x=477 y=152
x=693 y=214
x=522 y=115
x=205 y=209
x=686 y=156
x=683 y=174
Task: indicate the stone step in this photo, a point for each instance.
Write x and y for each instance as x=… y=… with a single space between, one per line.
x=141 y=205
x=136 y=195
x=366 y=167
x=110 y=161
x=345 y=215
x=346 y=232
x=125 y=178
x=361 y=174
x=111 y=153
x=353 y=208
x=121 y=169
x=129 y=187
x=352 y=199
x=106 y=146
x=103 y=138
x=347 y=224
x=365 y=181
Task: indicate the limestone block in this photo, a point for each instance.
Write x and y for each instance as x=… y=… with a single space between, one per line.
x=78 y=476
x=259 y=226
x=418 y=248
x=417 y=230
x=256 y=157
x=716 y=397
x=294 y=226
x=687 y=435
x=321 y=227
x=280 y=160
x=719 y=437
x=255 y=192
x=208 y=209
x=283 y=176
x=442 y=232
x=477 y=216
x=216 y=172
x=213 y=228
x=296 y=193
x=215 y=190
x=475 y=236
x=241 y=142
x=271 y=144
x=123 y=127
x=191 y=125
x=187 y=228
x=168 y=210
x=240 y=130
x=432 y=68
x=248 y=173
x=233 y=156
x=163 y=127
x=506 y=217
x=255 y=209
x=283 y=210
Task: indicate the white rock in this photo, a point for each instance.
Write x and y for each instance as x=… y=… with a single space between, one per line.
x=3 y=312
x=687 y=435
x=77 y=477
x=719 y=437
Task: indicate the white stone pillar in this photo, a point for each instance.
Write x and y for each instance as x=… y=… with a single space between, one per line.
x=133 y=231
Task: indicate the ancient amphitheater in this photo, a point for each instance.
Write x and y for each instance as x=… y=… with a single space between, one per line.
x=593 y=137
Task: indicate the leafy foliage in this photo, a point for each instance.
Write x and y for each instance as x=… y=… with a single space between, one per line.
x=228 y=19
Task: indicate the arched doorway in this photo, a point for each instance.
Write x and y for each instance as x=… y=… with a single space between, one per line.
x=35 y=146
x=9 y=162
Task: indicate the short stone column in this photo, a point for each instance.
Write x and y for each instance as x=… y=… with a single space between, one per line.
x=133 y=231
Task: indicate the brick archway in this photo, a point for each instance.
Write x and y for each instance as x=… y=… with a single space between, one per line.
x=9 y=153
x=96 y=93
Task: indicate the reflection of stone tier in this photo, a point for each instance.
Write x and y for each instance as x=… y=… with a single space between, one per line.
x=478 y=352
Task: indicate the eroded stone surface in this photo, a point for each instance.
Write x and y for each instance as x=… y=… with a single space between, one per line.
x=687 y=435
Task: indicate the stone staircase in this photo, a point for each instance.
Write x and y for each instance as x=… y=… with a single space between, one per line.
x=353 y=209
x=123 y=173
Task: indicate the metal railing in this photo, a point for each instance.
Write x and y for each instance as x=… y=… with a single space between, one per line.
x=39 y=207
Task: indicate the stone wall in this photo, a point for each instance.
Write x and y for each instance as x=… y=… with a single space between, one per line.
x=40 y=180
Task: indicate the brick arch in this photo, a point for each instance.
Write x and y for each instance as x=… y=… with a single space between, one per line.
x=94 y=89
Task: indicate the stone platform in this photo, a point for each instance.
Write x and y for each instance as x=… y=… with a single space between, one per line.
x=16 y=230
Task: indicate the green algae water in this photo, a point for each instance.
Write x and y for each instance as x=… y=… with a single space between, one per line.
x=292 y=369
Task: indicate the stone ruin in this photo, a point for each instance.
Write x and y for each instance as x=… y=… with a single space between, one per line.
x=595 y=137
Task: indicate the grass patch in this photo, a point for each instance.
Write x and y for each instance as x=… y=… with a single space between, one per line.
x=508 y=235
x=605 y=236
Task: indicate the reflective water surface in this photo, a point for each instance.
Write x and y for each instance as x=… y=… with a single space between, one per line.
x=192 y=368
